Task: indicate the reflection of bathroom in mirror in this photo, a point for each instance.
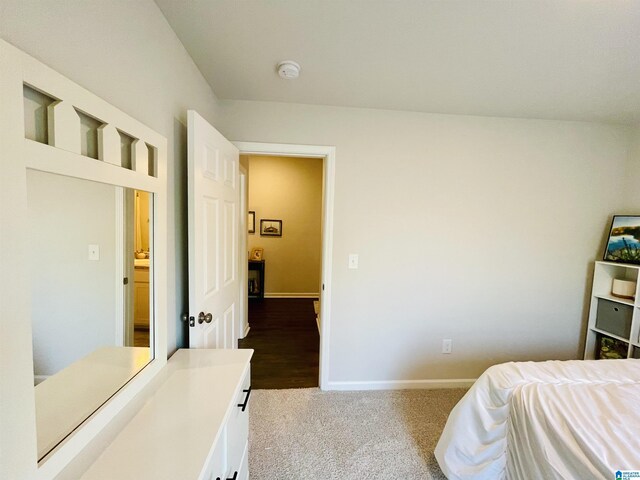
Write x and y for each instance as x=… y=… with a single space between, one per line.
x=91 y=307
x=141 y=254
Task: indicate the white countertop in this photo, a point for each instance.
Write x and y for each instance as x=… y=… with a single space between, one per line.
x=172 y=434
x=141 y=262
x=66 y=399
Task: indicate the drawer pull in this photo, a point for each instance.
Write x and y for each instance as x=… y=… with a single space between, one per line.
x=246 y=400
x=235 y=475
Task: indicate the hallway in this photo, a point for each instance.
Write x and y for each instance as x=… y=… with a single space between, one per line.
x=284 y=335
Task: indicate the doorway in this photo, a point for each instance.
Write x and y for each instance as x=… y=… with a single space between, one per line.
x=133 y=209
x=291 y=310
x=283 y=272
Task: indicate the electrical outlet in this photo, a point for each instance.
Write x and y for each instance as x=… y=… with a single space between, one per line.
x=447 y=345
x=353 y=261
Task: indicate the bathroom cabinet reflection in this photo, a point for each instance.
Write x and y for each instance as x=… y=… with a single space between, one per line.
x=90 y=261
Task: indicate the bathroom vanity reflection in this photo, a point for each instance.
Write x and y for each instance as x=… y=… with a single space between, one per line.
x=141 y=307
x=91 y=308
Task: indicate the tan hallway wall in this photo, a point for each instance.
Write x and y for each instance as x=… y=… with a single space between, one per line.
x=288 y=189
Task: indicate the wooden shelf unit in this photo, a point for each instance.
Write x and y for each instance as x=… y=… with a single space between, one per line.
x=603 y=276
x=256 y=279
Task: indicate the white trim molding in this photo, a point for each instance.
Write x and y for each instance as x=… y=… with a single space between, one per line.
x=402 y=384
x=328 y=154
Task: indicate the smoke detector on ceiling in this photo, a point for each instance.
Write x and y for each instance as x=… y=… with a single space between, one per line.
x=288 y=70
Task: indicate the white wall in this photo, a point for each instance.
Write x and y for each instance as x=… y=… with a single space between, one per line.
x=633 y=174
x=125 y=52
x=477 y=229
x=72 y=298
x=511 y=286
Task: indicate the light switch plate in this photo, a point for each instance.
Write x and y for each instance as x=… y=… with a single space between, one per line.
x=94 y=252
x=353 y=261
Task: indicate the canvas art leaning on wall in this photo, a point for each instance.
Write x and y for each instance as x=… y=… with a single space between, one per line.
x=623 y=245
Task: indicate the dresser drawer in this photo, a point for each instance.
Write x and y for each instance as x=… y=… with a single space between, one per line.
x=141 y=275
x=216 y=466
x=238 y=428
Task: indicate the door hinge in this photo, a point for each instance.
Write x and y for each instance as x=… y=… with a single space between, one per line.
x=125 y=281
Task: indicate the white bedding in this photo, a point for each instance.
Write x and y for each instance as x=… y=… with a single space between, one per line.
x=548 y=420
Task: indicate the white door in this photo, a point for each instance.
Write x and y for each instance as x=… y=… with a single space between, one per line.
x=213 y=236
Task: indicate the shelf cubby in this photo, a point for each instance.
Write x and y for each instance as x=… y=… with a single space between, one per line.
x=256 y=279
x=603 y=276
x=608 y=347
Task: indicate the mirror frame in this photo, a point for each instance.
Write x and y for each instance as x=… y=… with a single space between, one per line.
x=18 y=443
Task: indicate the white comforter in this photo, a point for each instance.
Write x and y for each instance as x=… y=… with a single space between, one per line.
x=549 y=420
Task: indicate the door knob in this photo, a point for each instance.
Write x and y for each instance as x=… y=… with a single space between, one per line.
x=204 y=318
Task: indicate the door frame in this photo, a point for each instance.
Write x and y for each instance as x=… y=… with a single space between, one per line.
x=125 y=206
x=328 y=154
x=243 y=315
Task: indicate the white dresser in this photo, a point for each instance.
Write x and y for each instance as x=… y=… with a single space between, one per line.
x=194 y=426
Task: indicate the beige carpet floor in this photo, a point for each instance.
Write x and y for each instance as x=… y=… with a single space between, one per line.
x=310 y=434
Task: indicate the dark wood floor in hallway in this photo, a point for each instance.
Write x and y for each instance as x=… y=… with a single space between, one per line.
x=284 y=335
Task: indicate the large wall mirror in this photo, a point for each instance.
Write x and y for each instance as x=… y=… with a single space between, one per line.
x=90 y=253
x=84 y=254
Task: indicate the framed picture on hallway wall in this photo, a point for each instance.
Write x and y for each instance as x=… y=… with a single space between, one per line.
x=251 y=221
x=257 y=254
x=270 y=228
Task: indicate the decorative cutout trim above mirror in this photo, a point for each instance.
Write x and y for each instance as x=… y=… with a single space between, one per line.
x=50 y=125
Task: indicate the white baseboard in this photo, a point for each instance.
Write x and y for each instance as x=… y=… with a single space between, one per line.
x=402 y=384
x=291 y=295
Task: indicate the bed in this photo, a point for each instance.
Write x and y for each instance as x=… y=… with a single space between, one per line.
x=546 y=420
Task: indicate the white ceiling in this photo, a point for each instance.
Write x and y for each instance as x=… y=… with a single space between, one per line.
x=574 y=60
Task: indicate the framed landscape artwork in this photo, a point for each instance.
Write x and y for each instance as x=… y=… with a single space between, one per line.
x=270 y=228
x=623 y=245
